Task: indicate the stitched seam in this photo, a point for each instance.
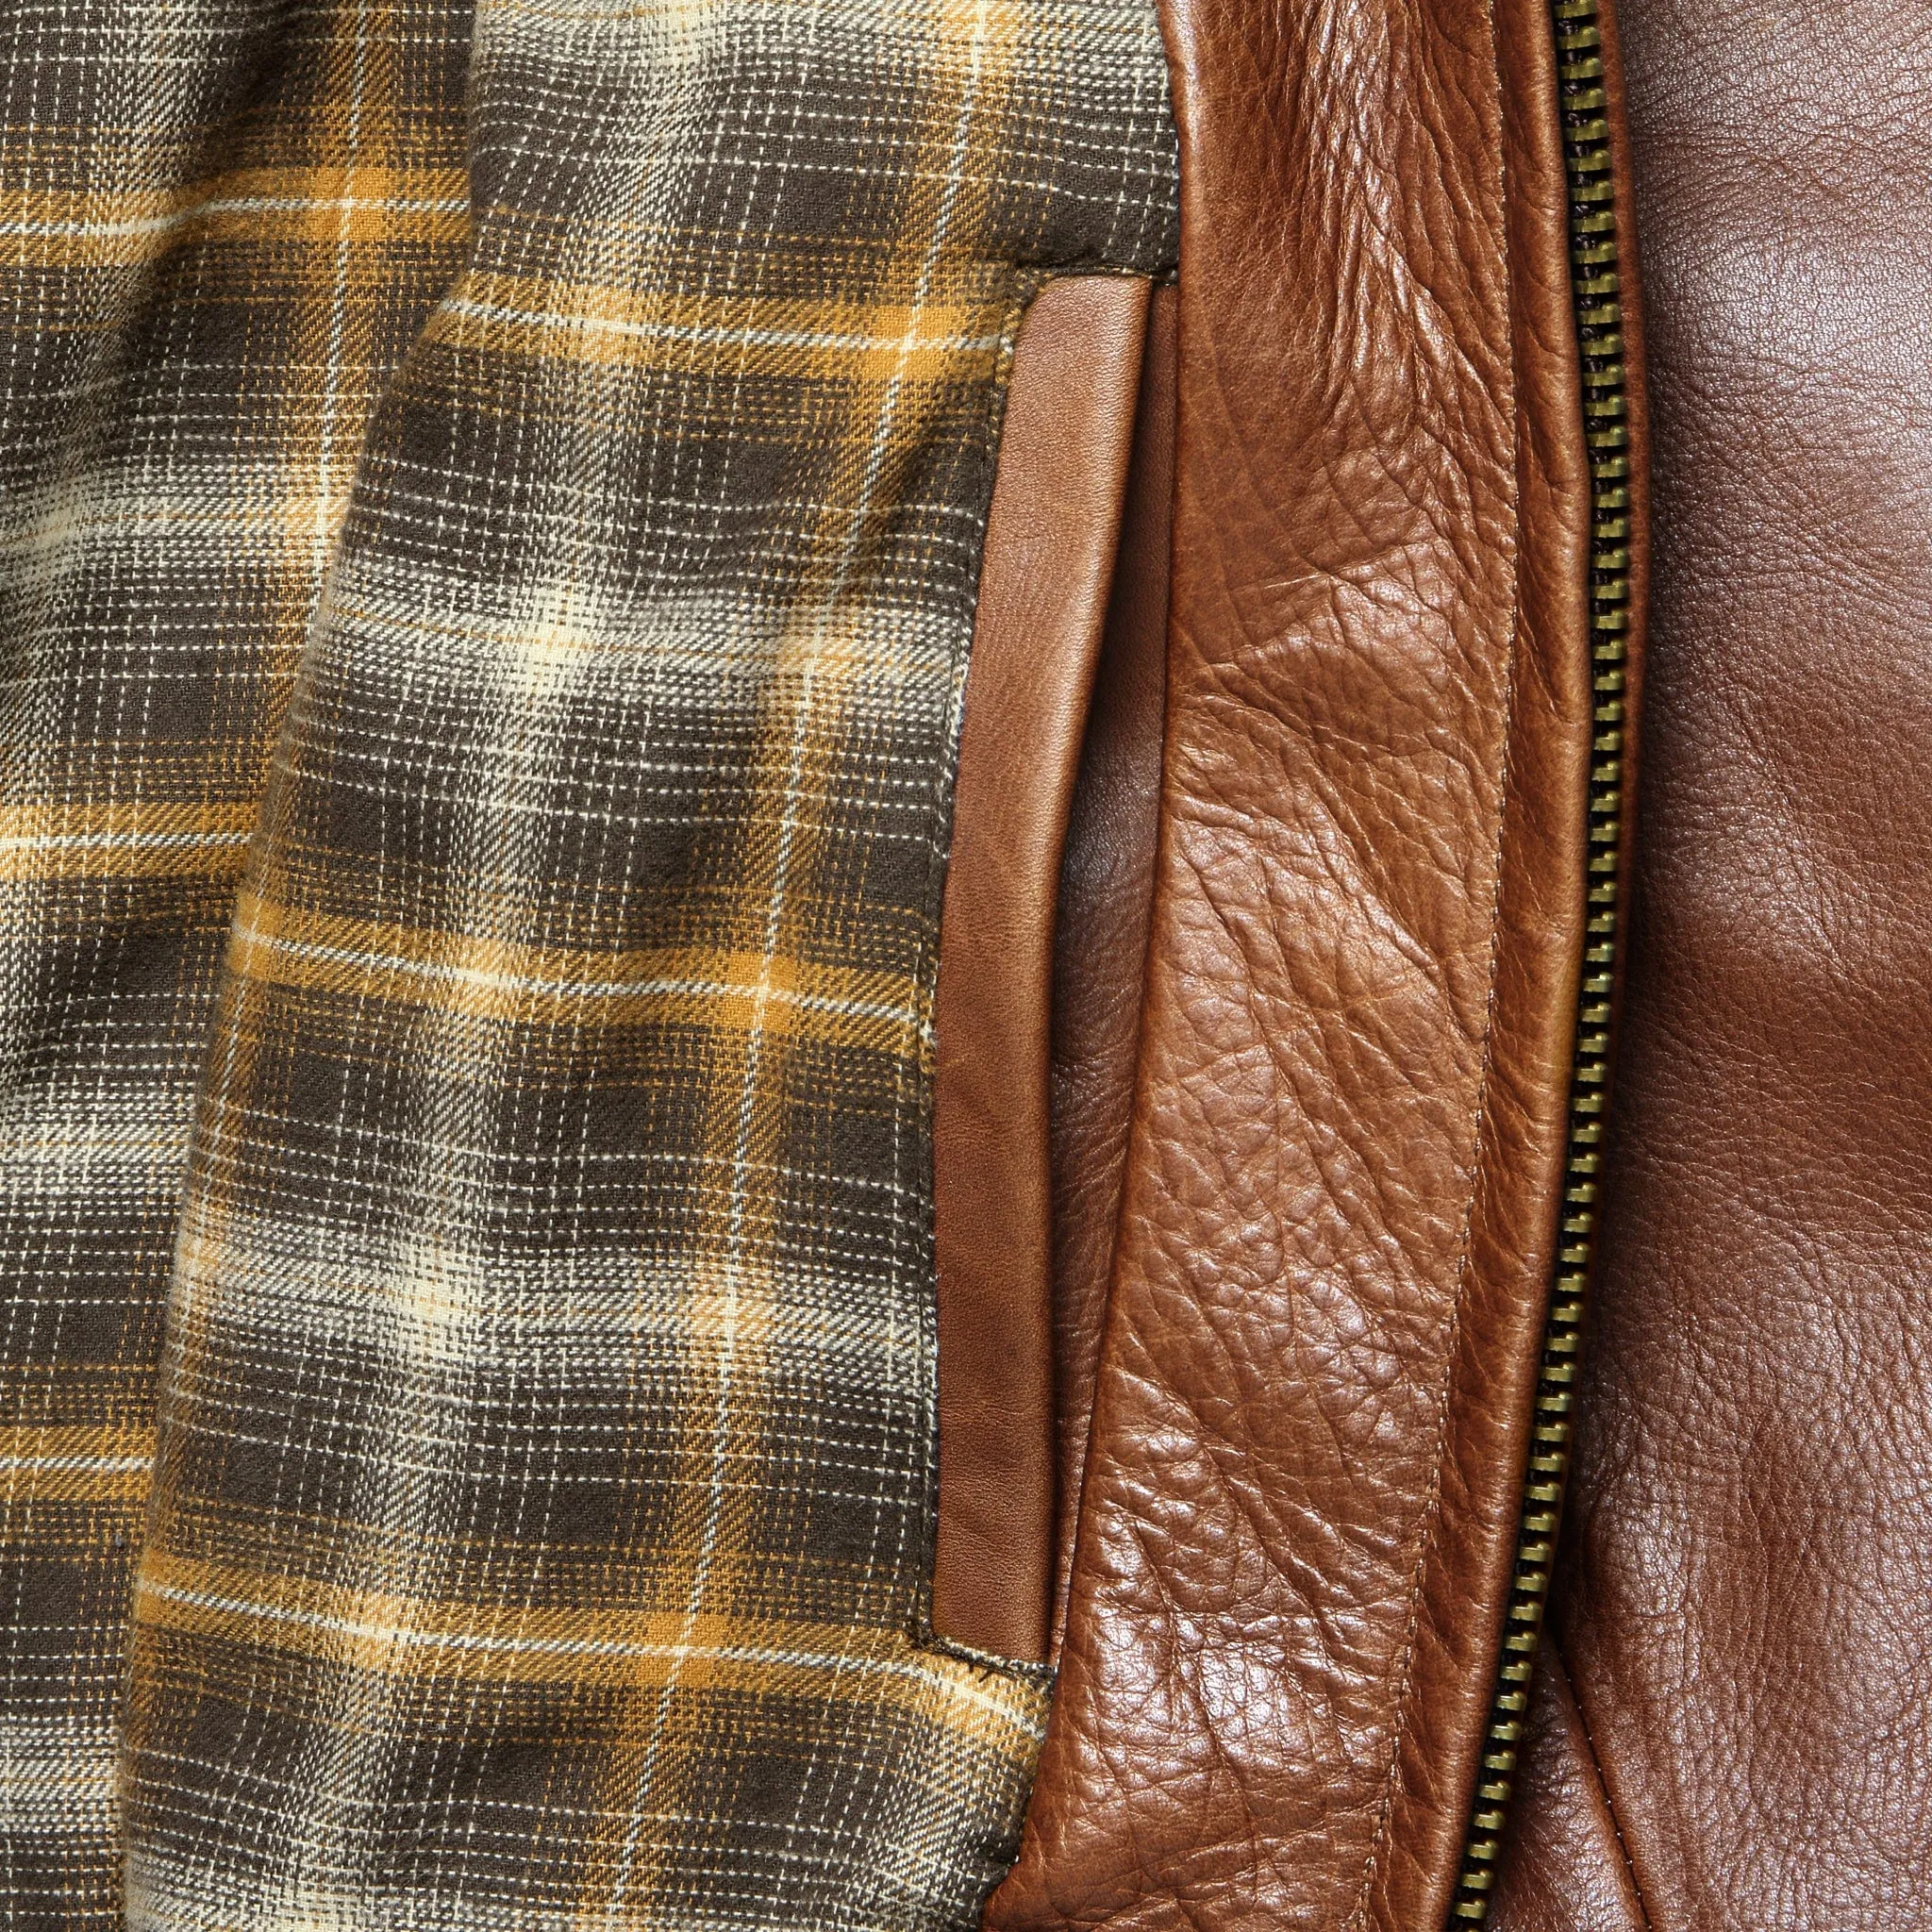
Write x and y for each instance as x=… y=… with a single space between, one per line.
x=1432 y=1513
x=1602 y=1781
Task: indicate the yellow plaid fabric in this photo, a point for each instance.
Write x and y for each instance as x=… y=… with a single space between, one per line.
x=544 y=1487
x=222 y=223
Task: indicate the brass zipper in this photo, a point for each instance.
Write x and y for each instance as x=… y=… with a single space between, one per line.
x=1595 y=285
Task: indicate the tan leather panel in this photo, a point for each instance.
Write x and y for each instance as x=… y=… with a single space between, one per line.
x=1107 y=902
x=1045 y=581
x=1564 y=1867
x=1746 y=1600
x=1340 y=1214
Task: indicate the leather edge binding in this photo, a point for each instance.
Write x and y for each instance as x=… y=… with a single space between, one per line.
x=1045 y=576
x=1107 y=914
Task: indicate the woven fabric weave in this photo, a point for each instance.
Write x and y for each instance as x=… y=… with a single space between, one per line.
x=222 y=223
x=543 y=1492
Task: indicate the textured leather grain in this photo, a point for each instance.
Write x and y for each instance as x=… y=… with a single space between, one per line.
x=1107 y=899
x=1045 y=577
x=1746 y=1596
x=1337 y=1234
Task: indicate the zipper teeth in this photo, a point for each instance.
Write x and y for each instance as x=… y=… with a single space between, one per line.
x=1595 y=282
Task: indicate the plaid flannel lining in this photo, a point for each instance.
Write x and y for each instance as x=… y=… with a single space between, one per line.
x=222 y=223
x=543 y=1494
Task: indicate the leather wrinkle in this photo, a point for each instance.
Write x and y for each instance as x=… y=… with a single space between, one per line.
x=1326 y=1311
x=1433 y=1512
x=1599 y=1772
x=1564 y=1866
x=1464 y=1138
x=1754 y=1439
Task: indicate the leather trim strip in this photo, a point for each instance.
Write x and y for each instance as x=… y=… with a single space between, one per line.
x=1107 y=904
x=1048 y=563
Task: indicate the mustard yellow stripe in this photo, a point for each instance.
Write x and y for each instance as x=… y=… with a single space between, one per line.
x=501 y=980
x=75 y=1464
x=325 y=205
x=406 y=1636
x=938 y=341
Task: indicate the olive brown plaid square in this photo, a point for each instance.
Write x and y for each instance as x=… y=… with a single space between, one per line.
x=542 y=1512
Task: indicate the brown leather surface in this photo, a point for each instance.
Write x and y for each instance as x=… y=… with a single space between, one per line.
x=1565 y=1869
x=1106 y=900
x=1045 y=581
x=1746 y=1598
x=1337 y=1236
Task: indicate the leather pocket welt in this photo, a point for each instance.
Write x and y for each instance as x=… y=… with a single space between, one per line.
x=1051 y=540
